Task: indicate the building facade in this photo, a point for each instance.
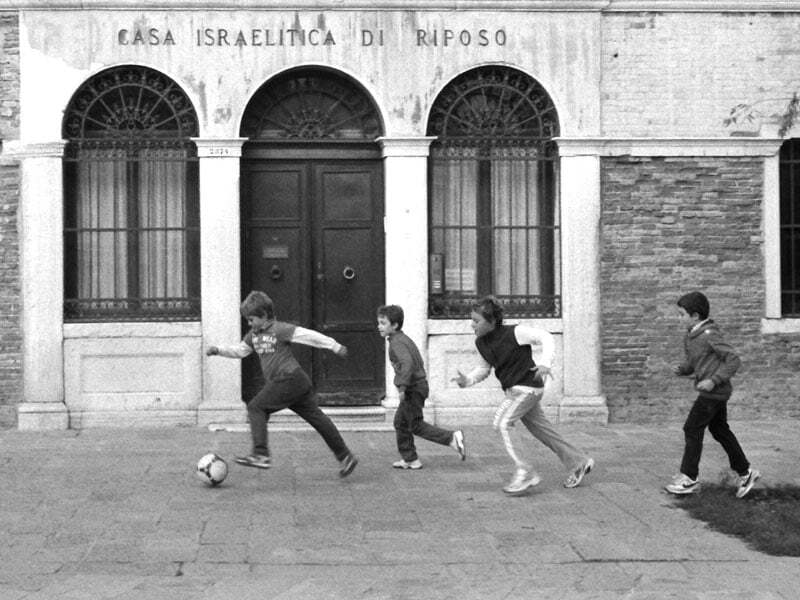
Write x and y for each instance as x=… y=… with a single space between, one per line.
x=577 y=159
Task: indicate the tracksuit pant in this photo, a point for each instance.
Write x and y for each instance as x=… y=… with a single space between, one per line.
x=522 y=403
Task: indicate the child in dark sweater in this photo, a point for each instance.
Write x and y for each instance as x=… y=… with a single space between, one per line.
x=712 y=362
x=412 y=384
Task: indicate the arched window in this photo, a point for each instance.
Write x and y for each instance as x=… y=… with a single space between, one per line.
x=311 y=105
x=131 y=212
x=494 y=213
x=790 y=227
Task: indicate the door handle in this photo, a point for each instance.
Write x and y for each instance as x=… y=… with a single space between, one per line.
x=349 y=273
x=275 y=273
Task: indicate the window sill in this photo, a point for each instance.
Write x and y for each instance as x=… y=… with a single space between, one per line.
x=462 y=326
x=133 y=329
x=778 y=326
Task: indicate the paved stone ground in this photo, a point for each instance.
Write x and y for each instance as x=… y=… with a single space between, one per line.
x=119 y=514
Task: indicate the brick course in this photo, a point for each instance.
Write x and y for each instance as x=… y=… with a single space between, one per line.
x=10 y=333
x=670 y=225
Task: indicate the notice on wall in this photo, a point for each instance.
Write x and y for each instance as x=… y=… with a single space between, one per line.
x=462 y=280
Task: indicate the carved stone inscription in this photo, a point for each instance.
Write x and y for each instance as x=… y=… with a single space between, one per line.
x=221 y=37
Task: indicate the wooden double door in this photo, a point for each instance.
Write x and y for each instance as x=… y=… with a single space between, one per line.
x=313 y=240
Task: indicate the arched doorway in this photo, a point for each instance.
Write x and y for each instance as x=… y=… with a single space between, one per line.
x=312 y=223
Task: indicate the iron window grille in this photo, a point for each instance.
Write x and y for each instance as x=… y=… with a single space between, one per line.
x=131 y=209
x=311 y=105
x=790 y=227
x=494 y=203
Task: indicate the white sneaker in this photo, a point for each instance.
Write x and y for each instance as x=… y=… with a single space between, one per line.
x=401 y=464
x=457 y=444
x=521 y=482
x=746 y=482
x=682 y=485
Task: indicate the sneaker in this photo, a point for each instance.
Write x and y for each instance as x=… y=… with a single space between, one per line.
x=521 y=482
x=348 y=463
x=402 y=464
x=746 y=482
x=258 y=461
x=458 y=444
x=574 y=479
x=682 y=484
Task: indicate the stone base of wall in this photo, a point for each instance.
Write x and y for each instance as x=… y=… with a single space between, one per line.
x=41 y=416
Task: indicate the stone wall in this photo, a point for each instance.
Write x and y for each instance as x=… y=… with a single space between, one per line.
x=10 y=334
x=668 y=226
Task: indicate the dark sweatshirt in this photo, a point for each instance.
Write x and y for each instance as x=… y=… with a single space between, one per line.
x=409 y=370
x=708 y=356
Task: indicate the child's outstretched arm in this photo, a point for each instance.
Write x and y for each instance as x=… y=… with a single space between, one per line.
x=476 y=375
x=239 y=350
x=309 y=337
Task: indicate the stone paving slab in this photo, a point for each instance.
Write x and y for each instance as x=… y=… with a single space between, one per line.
x=104 y=513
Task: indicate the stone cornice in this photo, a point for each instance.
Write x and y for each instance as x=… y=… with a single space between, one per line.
x=405 y=146
x=728 y=146
x=604 y=6
x=219 y=147
x=14 y=150
x=313 y=5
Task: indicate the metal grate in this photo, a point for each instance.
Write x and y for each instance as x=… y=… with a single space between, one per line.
x=311 y=105
x=131 y=210
x=790 y=227
x=494 y=195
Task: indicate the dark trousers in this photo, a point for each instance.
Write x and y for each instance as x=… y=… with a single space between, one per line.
x=711 y=413
x=294 y=392
x=408 y=422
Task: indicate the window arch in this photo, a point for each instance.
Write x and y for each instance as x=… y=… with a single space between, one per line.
x=310 y=104
x=494 y=211
x=131 y=207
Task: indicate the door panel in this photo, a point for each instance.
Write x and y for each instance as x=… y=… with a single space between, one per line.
x=314 y=242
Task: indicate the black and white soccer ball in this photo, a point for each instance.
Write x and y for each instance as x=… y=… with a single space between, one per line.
x=212 y=469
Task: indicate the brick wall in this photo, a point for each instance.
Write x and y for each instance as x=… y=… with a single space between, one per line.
x=10 y=334
x=679 y=74
x=670 y=225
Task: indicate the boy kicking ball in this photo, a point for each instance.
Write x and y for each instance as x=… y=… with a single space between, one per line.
x=712 y=362
x=286 y=384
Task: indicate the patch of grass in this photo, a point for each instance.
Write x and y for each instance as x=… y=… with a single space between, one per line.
x=768 y=518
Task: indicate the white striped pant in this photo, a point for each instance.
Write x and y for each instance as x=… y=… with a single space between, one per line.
x=522 y=404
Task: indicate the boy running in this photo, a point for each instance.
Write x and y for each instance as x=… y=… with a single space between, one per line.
x=712 y=362
x=286 y=384
x=412 y=384
x=507 y=348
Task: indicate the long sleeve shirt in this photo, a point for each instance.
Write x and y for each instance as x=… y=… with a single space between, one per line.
x=271 y=343
x=409 y=370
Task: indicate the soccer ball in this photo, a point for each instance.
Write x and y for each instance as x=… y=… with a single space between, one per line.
x=211 y=469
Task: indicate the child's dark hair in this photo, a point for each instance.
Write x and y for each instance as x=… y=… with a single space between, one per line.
x=695 y=302
x=393 y=313
x=490 y=309
x=257 y=304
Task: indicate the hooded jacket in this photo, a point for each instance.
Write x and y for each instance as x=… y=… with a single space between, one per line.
x=708 y=356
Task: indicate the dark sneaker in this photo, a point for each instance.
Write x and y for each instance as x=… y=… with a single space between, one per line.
x=746 y=482
x=258 y=461
x=458 y=444
x=348 y=463
x=682 y=485
x=574 y=479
